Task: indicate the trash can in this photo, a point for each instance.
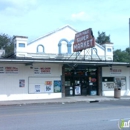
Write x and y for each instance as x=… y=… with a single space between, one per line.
x=117 y=93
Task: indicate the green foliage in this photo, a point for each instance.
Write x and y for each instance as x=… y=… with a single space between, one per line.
x=121 y=56
x=118 y=55
x=6 y=43
x=102 y=38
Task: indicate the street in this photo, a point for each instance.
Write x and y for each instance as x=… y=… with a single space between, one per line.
x=70 y=116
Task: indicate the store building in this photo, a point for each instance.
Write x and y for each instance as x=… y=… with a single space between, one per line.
x=48 y=68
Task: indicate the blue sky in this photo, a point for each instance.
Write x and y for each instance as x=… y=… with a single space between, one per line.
x=35 y=18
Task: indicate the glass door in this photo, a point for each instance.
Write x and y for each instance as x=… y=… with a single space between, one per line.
x=77 y=85
x=93 y=84
x=84 y=85
x=68 y=86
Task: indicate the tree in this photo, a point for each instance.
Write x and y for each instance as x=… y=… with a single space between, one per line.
x=102 y=38
x=121 y=56
x=6 y=43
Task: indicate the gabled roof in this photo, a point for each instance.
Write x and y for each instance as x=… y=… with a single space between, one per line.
x=100 y=46
x=67 y=26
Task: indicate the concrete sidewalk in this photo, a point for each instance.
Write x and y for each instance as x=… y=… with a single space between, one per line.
x=64 y=100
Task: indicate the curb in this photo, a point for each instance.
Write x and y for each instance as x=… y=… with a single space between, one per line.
x=18 y=103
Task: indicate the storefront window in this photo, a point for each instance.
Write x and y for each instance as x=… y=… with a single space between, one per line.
x=109 y=83
x=120 y=82
x=82 y=79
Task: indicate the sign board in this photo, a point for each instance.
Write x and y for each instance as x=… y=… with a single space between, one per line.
x=42 y=70
x=83 y=40
x=115 y=71
x=8 y=70
x=11 y=70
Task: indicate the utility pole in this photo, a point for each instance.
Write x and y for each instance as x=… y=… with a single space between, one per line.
x=129 y=33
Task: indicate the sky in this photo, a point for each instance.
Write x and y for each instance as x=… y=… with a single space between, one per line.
x=35 y=18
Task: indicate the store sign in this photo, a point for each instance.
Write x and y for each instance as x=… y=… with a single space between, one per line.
x=11 y=70
x=8 y=70
x=42 y=70
x=83 y=40
x=115 y=71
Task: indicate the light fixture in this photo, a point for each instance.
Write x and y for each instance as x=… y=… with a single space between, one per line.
x=31 y=67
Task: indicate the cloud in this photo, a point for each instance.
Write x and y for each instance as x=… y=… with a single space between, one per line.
x=81 y=16
x=78 y=15
x=17 y=7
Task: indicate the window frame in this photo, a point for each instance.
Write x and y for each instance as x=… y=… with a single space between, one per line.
x=22 y=45
x=109 y=50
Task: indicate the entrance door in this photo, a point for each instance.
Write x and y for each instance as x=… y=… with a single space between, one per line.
x=84 y=85
x=81 y=84
x=77 y=85
x=69 y=90
x=81 y=81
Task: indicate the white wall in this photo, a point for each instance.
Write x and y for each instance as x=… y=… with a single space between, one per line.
x=51 y=42
x=9 y=83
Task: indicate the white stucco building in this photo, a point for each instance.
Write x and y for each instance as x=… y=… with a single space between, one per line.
x=48 y=68
x=59 y=44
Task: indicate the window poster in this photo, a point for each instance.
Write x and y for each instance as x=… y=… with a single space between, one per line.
x=57 y=86
x=108 y=86
x=21 y=83
x=77 y=90
x=48 y=87
x=37 y=88
x=120 y=82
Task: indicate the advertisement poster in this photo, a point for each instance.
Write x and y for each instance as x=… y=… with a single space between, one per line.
x=48 y=87
x=77 y=90
x=57 y=86
x=21 y=83
x=37 y=88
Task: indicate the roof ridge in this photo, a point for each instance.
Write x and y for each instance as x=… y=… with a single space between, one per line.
x=47 y=34
x=99 y=45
